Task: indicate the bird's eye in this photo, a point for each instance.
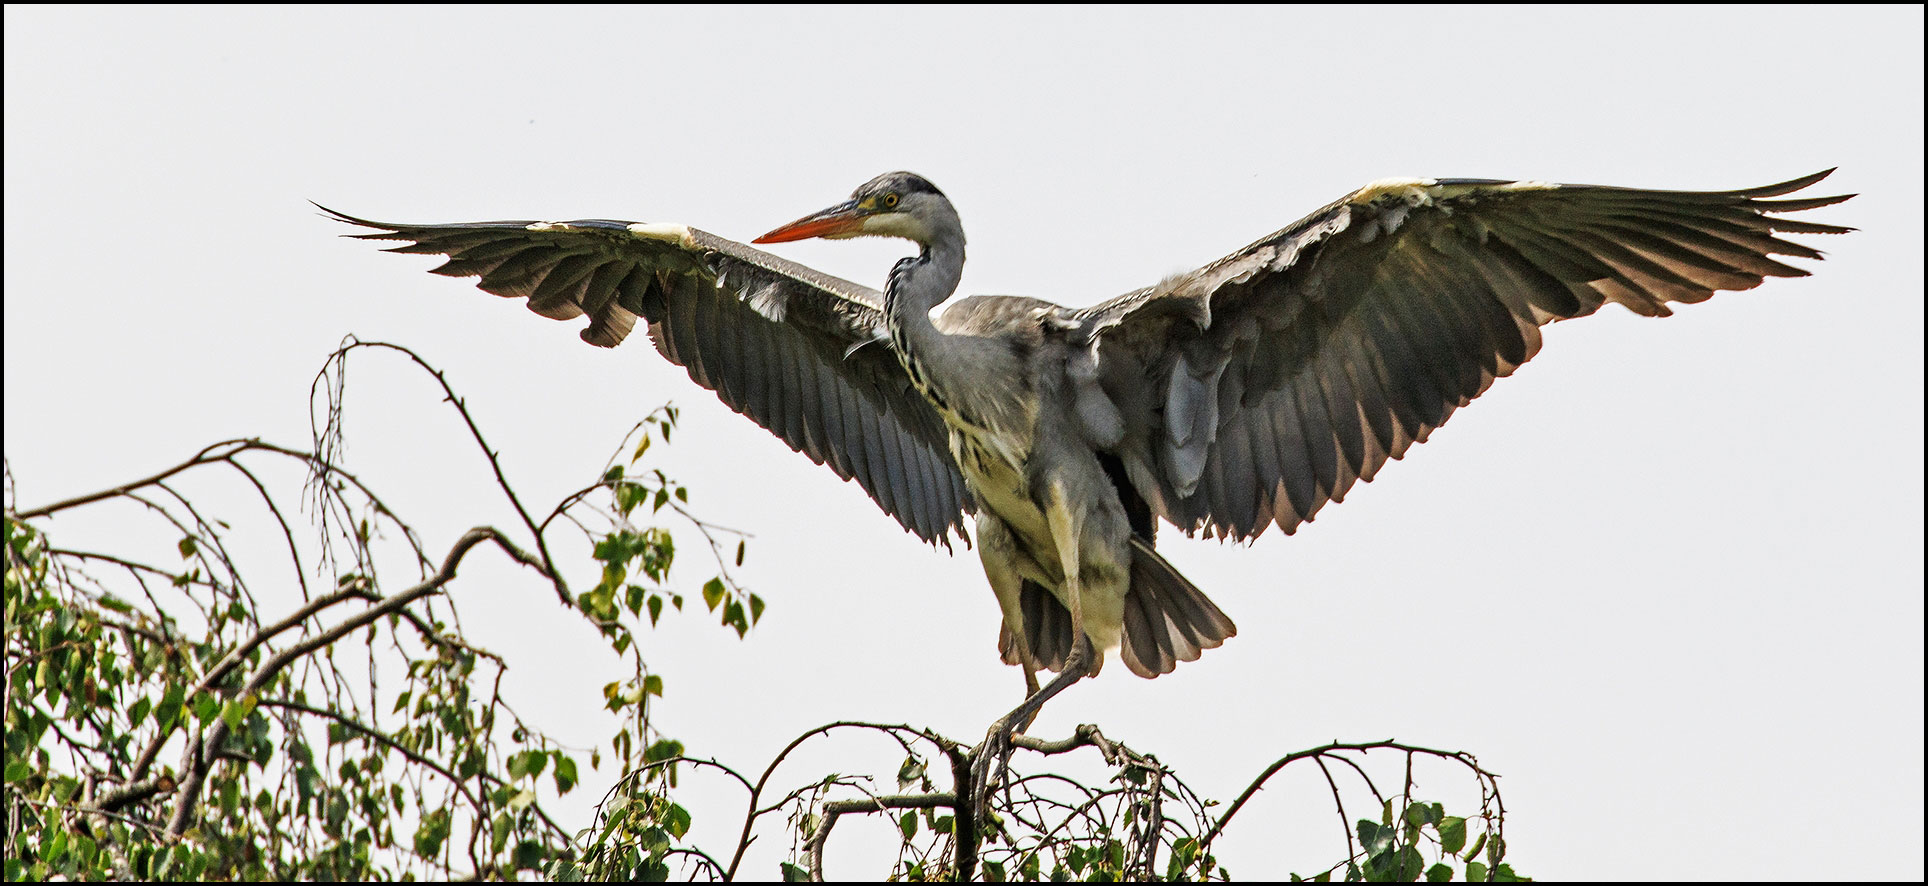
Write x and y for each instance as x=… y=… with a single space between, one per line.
x=890 y=201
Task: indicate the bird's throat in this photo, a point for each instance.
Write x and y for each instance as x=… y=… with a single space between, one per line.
x=916 y=286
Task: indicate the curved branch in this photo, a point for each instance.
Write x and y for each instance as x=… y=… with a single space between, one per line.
x=287 y=534
x=1339 y=804
x=749 y=819
x=548 y=563
x=391 y=744
x=716 y=870
x=199 y=458
x=1457 y=756
x=835 y=808
x=235 y=656
x=201 y=759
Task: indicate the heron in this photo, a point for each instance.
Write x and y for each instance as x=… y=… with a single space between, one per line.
x=1246 y=394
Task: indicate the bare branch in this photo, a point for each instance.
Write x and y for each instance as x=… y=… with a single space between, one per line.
x=1460 y=757
x=547 y=563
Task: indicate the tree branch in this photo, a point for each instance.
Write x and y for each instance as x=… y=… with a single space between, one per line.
x=201 y=758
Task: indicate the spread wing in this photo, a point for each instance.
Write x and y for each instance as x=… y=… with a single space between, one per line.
x=1258 y=388
x=801 y=353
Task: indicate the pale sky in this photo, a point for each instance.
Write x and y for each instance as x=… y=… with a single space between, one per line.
x=1667 y=579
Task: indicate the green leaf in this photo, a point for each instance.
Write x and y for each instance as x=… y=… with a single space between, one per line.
x=1452 y=834
x=653 y=685
x=663 y=749
x=1410 y=864
x=907 y=823
x=1185 y=850
x=206 y=706
x=655 y=608
x=1439 y=873
x=1504 y=874
x=910 y=772
x=677 y=821
x=756 y=609
x=170 y=705
x=1475 y=872
x=434 y=830
x=565 y=774
x=186 y=546
x=1416 y=815
x=236 y=711
x=1374 y=838
x=713 y=593
x=794 y=873
x=499 y=833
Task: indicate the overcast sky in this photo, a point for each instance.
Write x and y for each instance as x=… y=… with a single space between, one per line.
x=1667 y=579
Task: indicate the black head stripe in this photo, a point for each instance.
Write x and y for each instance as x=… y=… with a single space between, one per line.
x=901 y=182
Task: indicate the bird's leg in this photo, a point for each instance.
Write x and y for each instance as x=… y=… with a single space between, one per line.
x=1030 y=689
x=1064 y=531
x=997 y=744
x=996 y=547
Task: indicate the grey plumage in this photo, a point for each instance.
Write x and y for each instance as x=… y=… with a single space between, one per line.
x=773 y=338
x=1246 y=394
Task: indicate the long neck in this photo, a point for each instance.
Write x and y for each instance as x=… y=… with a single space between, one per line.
x=916 y=286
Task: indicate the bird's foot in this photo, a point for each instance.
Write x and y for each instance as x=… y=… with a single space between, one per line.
x=996 y=750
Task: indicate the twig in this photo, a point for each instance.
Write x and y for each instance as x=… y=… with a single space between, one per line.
x=197 y=765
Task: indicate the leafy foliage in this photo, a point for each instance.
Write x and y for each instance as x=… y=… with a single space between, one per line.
x=162 y=724
x=165 y=721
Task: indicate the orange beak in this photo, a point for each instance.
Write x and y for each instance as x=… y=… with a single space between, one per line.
x=843 y=218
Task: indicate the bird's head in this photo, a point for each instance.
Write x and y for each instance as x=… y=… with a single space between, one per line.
x=895 y=204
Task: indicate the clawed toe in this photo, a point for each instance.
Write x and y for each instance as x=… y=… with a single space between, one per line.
x=984 y=779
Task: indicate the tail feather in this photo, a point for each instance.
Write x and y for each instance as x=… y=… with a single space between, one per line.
x=1047 y=627
x=1167 y=620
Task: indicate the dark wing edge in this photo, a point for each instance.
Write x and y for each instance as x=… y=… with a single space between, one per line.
x=799 y=352
x=1264 y=385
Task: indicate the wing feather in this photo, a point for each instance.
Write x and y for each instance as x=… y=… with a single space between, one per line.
x=1262 y=386
x=778 y=342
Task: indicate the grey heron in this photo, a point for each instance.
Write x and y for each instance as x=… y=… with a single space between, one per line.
x=1248 y=393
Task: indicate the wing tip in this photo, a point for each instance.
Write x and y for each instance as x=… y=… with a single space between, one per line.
x=345 y=218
